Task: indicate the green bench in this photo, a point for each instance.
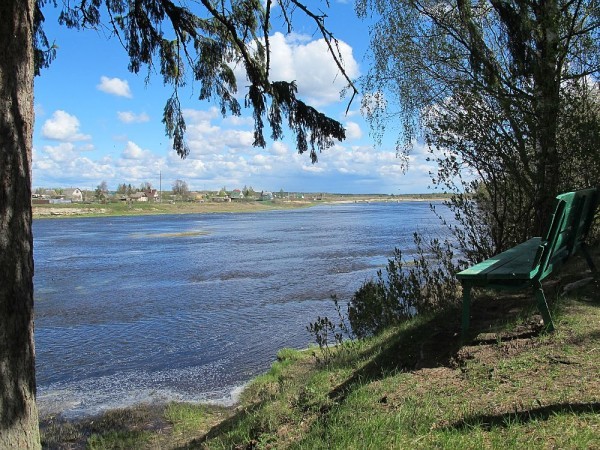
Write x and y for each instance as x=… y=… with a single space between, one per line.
x=527 y=264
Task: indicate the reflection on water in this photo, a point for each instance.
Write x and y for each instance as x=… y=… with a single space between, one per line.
x=191 y=307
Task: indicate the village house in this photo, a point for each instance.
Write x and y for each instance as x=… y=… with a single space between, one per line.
x=49 y=193
x=152 y=195
x=220 y=199
x=139 y=197
x=73 y=194
x=236 y=195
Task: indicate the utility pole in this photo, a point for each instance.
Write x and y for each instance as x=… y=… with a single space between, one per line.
x=159 y=186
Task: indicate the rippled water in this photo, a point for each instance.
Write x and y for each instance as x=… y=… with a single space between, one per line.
x=191 y=307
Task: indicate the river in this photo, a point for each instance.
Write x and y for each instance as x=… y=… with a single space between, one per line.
x=191 y=307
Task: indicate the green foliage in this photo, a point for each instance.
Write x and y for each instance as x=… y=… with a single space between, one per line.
x=328 y=334
x=497 y=209
x=487 y=81
x=425 y=285
x=44 y=52
x=101 y=192
x=119 y=440
x=180 y=189
x=371 y=309
x=248 y=192
x=579 y=135
x=485 y=158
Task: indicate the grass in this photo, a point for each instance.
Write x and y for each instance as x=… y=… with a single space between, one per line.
x=414 y=386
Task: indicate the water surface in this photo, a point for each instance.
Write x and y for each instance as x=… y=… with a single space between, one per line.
x=191 y=307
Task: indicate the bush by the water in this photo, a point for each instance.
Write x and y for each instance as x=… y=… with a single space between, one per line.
x=425 y=284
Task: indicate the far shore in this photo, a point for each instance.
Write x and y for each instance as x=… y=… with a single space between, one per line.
x=66 y=210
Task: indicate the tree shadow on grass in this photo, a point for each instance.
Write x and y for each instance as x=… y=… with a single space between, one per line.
x=436 y=342
x=487 y=422
x=432 y=343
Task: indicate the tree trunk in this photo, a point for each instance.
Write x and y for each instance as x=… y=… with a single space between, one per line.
x=18 y=412
x=546 y=77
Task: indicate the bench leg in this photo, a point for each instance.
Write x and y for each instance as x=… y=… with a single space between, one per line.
x=543 y=306
x=466 y=309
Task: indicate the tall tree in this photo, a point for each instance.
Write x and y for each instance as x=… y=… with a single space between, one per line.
x=101 y=192
x=145 y=186
x=180 y=189
x=18 y=414
x=206 y=38
x=516 y=54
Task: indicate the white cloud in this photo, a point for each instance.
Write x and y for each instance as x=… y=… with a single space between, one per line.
x=238 y=121
x=313 y=169
x=62 y=152
x=342 y=168
x=63 y=126
x=114 y=86
x=280 y=149
x=261 y=160
x=197 y=115
x=134 y=151
x=205 y=138
x=353 y=130
x=308 y=62
x=62 y=165
x=131 y=117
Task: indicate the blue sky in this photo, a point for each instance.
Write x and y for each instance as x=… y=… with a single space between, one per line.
x=96 y=121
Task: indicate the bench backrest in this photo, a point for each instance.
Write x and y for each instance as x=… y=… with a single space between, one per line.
x=568 y=229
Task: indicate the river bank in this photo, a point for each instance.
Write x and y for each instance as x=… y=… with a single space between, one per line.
x=121 y=209
x=54 y=211
x=510 y=385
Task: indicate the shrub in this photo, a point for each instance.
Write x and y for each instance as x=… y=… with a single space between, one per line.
x=328 y=333
x=426 y=284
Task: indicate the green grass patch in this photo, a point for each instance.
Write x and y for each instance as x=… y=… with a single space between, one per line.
x=119 y=440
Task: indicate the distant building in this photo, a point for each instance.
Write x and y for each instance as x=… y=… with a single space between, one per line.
x=152 y=195
x=266 y=195
x=139 y=197
x=73 y=194
x=49 y=193
x=237 y=195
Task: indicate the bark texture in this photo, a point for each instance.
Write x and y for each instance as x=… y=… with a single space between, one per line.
x=18 y=412
x=547 y=80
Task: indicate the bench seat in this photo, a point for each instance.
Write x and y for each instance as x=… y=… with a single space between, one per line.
x=530 y=262
x=515 y=263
